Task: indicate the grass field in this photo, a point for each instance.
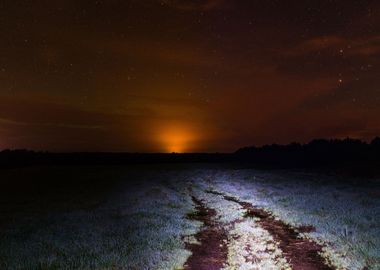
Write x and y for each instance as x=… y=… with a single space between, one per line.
x=136 y=217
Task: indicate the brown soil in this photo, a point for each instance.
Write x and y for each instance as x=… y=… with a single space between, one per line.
x=306 y=229
x=301 y=254
x=211 y=254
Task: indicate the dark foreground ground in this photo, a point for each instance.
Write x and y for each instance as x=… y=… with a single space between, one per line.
x=159 y=216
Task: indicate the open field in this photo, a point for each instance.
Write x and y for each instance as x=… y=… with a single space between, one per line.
x=170 y=216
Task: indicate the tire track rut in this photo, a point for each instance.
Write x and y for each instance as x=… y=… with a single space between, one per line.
x=211 y=253
x=301 y=254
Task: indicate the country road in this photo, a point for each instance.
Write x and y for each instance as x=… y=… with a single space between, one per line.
x=237 y=235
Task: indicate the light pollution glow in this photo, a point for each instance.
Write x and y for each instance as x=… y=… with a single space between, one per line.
x=186 y=76
x=176 y=138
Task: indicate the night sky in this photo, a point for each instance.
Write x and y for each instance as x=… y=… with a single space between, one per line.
x=175 y=75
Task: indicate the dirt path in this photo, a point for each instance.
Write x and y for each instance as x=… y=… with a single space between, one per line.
x=212 y=252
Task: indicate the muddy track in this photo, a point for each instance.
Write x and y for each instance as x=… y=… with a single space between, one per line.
x=301 y=254
x=211 y=252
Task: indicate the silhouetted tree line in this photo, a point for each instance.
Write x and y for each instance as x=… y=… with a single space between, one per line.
x=320 y=152
x=17 y=158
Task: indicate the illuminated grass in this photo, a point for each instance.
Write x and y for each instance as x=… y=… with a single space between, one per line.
x=349 y=227
x=138 y=227
x=142 y=224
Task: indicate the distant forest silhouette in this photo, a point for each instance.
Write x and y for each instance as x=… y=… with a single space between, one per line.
x=317 y=153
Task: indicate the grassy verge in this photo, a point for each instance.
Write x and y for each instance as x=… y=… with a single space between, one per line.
x=95 y=218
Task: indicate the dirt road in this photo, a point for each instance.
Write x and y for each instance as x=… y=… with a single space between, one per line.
x=237 y=235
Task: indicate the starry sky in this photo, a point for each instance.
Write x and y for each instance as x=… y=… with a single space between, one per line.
x=186 y=76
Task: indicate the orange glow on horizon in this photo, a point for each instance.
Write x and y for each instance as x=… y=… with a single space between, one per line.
x=177 y=138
